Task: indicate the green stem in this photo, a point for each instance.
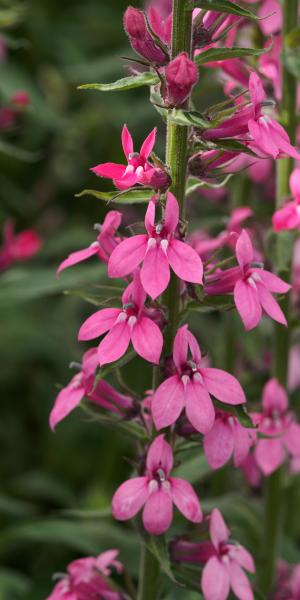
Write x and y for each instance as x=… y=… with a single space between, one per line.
x=149 y=576
x=274 y=484
x=176 y=158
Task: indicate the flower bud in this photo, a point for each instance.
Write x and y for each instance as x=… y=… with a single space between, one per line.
x=181 y=76
x=157 y=178
x=140 y=39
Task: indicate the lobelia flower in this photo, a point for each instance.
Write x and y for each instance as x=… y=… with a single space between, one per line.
x=138 y=169
x=102 y=247
x=157 y=492
x=140 y=38
x=225 y=569
x=162 y=27
x=18 y=247
x=288 y=217
x=227 y=437
x=158 y=250
x=190 y=388
x=126 y=324
x=86 y=579
x=278 y=425
x=270 y=15
x=181 y=76
x=83 y=384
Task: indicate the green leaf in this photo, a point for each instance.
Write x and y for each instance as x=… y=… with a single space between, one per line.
x=239 y=411
x=132 y=196
x=194 y=468
x=291 y=60
x=13 y=584
x=158 y=547
x=188 y=118
x=214 y=54
x=102 y=373
x=129 y=427
x=127 y=83
x=224 y=6
x=212 y=303
x=292 y=39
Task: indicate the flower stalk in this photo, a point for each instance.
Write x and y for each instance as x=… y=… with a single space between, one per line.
x=274 y=483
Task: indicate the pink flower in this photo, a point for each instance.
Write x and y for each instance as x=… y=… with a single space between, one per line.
x=102 y=247
x=126 y=324
x=161 y=27
x=191 y=386
x=157 y=492
x=224 y=570
x=140 y=38
x=18 y=247
x=278 y=425
x=270 y=14
x=270 y=65
x=227 y=437
x=83 y=384
x=252 y=291
x=288 y=217
x=137 y=170
x=87 y=578
x=158 y=250
x=181 y=76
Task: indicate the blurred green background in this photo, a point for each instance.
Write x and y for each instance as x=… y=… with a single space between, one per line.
x=47 y=479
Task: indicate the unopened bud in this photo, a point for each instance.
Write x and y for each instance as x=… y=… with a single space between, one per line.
x=157 y=178
x=181 y=76
x=140 y=39
x=196 y=166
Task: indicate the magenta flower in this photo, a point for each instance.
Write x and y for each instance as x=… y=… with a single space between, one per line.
x=141 y=39
x=18 y=247
x=137 y=170
x=157 y=492
x=253 y=289
x=227 y=437
x=83 y=384
x=281 y=431
x=126 y=324
x=158 y=250
x=181 y=76
x=102 y=247
x=86 y=578
x=224 y=570
x=191 y=386
x=288 y=217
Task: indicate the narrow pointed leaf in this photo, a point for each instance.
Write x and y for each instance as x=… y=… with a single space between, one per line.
x=132 y=196
x=122 y=85
x=215 y=54
x=224 y=6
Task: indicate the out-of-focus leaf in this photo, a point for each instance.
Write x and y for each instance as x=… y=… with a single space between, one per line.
x=127 y=83
x=193 y=468
x=210 y=303
x=158 y=547
x=118 y=364
x=129 y=427
x=292 y=39
x=224 y=6
x=13 y=585
x=133 y=196
x=188 y=118
x=13 y=507
x=43 y=486
x=194 y=184
x=280 y=249
x=291 y=60
x=19 y=153
x=215 y=54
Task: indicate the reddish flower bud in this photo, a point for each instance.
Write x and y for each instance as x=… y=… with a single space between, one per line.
x=157 y=178
x=140 y=39
x=181 y=76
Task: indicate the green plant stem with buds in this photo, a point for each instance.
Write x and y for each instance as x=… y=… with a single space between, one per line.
x=176 y=160
x=274 y=483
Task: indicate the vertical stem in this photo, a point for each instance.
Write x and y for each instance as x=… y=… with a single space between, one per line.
x=274 y=483
x=148 y=576
x=176 y=157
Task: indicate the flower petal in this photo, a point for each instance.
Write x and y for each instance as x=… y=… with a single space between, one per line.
x=115 y=344
x=186 y=499
x=155 y=272
x=240 y=582
x=127 y=143
x=215 y=580
x=171 y=215
x=273 y=283
x=148 y=144
x=185 y=261
x=218 y=529
x=167 y=402
x=98 y=323
x=76 y=257
x=180 y=347
x=218 y=444
x=158 y=512
x=109 y=170
x=247 y=304
x=244 y=249
x=269 y=455
x=274 y=396
x=129 y=498
x=127 y=255
x=292 y=439
x=147 y=339
x=160 y=456
x=242 y=443
x=243 y=558
x=270 y=305
x=223 y=386
x=199 y=407
x=67 y=399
